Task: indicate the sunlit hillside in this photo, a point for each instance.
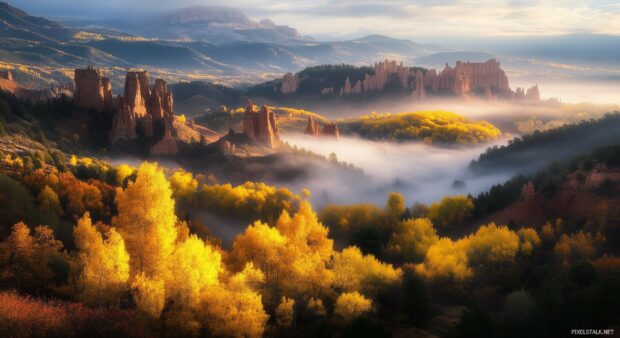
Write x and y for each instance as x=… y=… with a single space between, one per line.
x=440 y=127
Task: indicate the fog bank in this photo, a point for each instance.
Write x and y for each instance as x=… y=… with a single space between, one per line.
x=421 y=172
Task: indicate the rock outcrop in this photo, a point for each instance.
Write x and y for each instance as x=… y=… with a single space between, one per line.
x=533 y=94
x=383 y=72
x=168 y=144
x=123 y=124
x=331 y=130
x=290 y=83
x=92 y=90
x=140 y=110
x=261 y=126
x=6 y=75
x=312 y=128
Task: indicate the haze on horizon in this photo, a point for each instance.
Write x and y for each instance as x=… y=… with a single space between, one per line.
x=417 y=19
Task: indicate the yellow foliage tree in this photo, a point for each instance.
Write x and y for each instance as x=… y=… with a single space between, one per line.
x=184 y=186
x=293 y=255
x=285 y=312
x=234 y=308
x=412 y=239
x=446 y=260
x=316 y=307
x=194 y=266
x=20 y=246
x=105 y=263
x=123 y=171
x=149 y=294
x=528 y=240
x=492 y=244
x=354 y=271
x=351 y=305
x=452 y=211
x=574 y=247
x=146 y=220
x=48 y=199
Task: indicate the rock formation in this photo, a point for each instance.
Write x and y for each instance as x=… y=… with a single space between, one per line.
x=261 y=126
x=123 y=124
x=290 y=83
x=331 y=129
x=312 y=128
x=227 y=148
x=533 y=94
x=139 y=110
x=92 y=90
x=6 y=74
x=168 y=144
x=419 y=91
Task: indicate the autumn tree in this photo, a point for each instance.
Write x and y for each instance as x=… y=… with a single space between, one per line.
x=233 y=308
x=351 y=305
x=285 y=312
x=105 y=263
x=293 y=255
x=451 y=212
x=354 y=271
x=395 y=205
x=492 y=244
x=48 y=200
x=412 y=238
x=146 y=220
x=446 y=260
x=528 y=240
x=27 y=257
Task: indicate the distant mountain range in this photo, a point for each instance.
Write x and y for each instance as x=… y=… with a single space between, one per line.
x=219 y=43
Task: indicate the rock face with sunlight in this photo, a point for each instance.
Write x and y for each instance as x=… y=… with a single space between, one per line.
x=142 y=106
x=261 y=126
x=92 y=90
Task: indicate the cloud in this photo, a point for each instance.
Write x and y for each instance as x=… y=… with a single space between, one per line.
x=400 y=18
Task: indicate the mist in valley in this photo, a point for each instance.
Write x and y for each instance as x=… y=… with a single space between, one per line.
x=422 y=173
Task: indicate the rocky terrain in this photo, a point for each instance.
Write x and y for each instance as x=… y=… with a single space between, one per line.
x=466 y=79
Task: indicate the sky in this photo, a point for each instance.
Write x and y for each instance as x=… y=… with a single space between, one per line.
x=333 y=19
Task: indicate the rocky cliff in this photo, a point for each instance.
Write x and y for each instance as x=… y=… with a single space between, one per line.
x=261 y=126
x=168 y=144
x=465 y=79
x=141 y=108
x=92 y=90
x=383 y=71
x=329 y=129
x=312 y=128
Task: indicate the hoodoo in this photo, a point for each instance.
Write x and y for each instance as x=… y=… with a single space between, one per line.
x=312 y=128
x=92 y=90
x=139 y=110
x=261 y=126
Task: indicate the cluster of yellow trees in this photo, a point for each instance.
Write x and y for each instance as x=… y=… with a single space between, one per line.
x=446 y=259
x=258 y=200
x=428 y=126
x=190 y=285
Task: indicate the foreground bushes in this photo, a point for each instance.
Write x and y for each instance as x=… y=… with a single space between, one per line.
x=22 y=316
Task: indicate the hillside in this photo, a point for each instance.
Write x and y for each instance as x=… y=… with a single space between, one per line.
x=433 y=127
x=289 y=119
x=581 y=193
x=533 y=152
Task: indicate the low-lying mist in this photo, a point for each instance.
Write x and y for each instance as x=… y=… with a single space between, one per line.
x=421 y=172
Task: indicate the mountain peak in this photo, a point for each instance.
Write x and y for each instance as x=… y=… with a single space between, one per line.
x=206 y=14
